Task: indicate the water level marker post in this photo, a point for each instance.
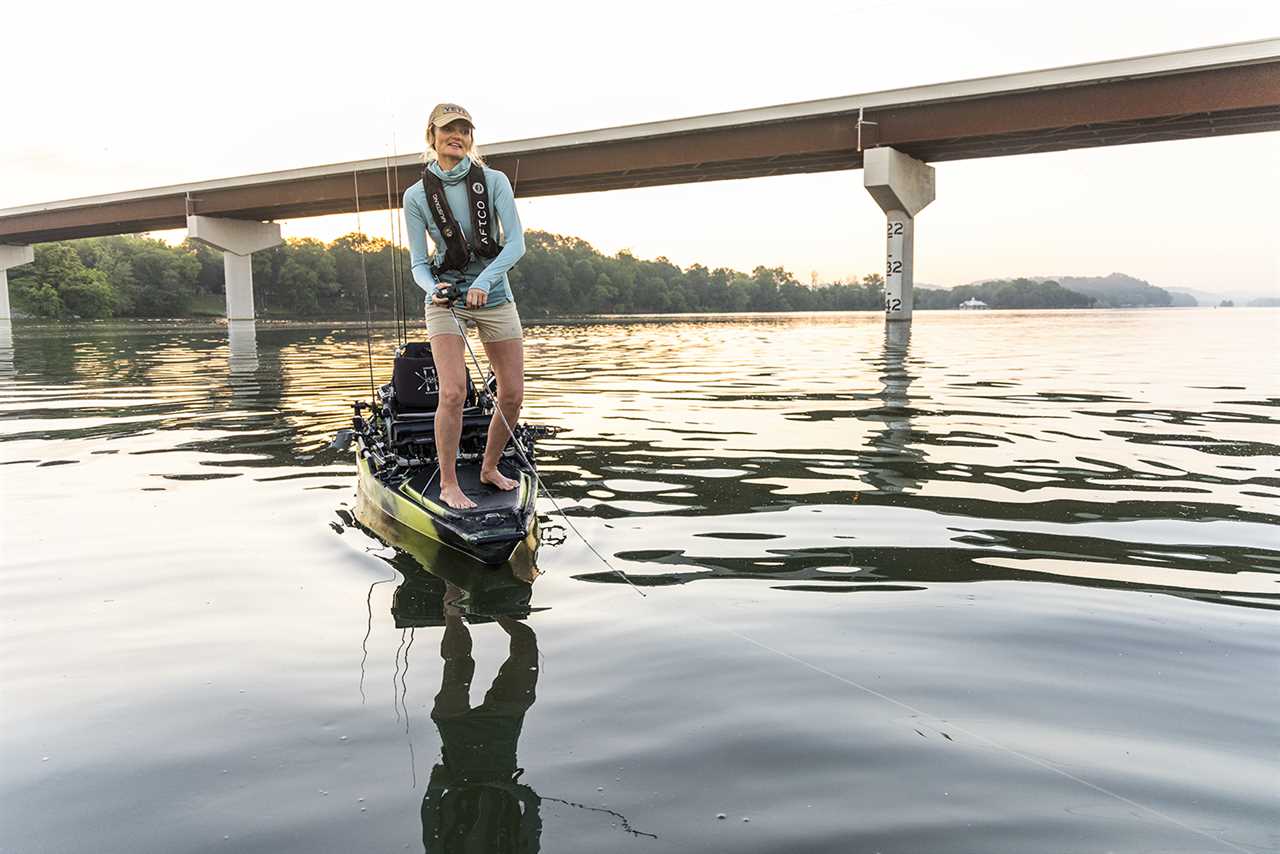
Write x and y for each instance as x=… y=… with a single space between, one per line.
x=897 y=299
x=902 y=186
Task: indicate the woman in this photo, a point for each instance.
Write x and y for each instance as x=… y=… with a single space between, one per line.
x=456 y=204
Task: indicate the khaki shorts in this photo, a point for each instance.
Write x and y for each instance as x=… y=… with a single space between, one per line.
x=500 y=323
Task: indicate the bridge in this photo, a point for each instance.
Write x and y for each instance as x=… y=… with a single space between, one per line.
x=891 y=135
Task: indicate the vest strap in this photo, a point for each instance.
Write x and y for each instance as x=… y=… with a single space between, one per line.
x=459 y=252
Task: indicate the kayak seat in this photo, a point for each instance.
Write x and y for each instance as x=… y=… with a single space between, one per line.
x=475 y=425
x=415 y=387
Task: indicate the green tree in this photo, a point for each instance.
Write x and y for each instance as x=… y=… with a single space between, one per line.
x=210 y=279
x=165 y=280
x=58 y=284
x=34 y=297
x=89 y=296
x=308 y=277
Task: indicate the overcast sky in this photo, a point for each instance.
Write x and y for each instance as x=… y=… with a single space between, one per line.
x=108 y=97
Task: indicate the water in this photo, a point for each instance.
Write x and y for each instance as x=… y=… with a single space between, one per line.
x=1010 y=585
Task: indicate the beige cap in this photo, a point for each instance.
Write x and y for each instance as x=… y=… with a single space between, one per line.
x=445 y=113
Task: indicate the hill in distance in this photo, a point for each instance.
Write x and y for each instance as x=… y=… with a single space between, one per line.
x=1119 y=290
x=1239 y=297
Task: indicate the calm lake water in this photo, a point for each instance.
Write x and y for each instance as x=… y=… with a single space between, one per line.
x=1009 y=585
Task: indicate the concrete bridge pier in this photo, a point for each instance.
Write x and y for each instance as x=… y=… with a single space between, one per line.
x=238 y=239
x=902 y=186
x=11 y=256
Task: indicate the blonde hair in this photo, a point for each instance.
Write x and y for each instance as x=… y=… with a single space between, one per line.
x=430 y=155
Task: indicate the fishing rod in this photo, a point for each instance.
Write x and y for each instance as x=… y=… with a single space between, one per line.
x=391 y=224
x=368 y=310
x=398 y=296
x=397 y=240
x=451 y=294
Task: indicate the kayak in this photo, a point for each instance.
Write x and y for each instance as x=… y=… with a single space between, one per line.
x=489 y=532
x=399 y=472
x=436 y=577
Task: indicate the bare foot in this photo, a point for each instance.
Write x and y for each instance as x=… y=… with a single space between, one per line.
x=498 y=480
x=453 y=495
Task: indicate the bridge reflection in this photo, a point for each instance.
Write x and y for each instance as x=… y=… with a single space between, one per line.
x=6 y=347
x=895 y=464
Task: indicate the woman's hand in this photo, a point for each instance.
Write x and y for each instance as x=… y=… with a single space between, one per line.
x=439 y=298
x=476 y=298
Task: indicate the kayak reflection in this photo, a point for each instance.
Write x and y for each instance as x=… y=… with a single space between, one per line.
x=427 y=567
x=475 y=800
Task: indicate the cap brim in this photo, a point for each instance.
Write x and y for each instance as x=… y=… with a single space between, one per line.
x=441 y=121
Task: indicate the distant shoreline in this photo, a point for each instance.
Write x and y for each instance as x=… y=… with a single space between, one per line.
x=558 y=276
x=210 y=322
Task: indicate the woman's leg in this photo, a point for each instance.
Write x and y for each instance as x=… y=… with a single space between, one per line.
x=447 y=352
x=507 y=360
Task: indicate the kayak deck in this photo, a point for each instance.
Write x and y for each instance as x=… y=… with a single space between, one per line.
x=425 y=486
x=489 y=532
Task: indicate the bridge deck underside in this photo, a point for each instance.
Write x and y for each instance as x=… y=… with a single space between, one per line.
x=956 y=148
x=1210 y=102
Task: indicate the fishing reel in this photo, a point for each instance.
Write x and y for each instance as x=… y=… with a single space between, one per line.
x=449 y=293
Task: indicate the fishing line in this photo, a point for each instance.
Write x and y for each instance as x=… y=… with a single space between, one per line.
x=404 y=704
x=917 y=712
x=524 y=457
x=852 y=683
x=622 y=819
x=364 y=275
x=395 y=677
x=976 y=736
x=404 y=685
x=368 y=630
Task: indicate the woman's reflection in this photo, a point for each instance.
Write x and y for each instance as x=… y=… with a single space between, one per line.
x=475 y=801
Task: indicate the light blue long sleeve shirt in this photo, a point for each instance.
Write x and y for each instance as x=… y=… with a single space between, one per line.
x=488 y=275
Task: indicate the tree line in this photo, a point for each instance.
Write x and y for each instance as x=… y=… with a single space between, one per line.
x=131 y=276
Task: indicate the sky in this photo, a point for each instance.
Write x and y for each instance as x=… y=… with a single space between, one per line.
x=114 y=97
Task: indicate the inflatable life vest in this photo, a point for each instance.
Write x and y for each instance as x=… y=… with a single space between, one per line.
x=458 y=251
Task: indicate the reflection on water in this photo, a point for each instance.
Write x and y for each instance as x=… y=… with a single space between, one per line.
x=890 y=450
x=6 y=347
x=475 y=800
x=242 y=358
x=1062 y=527
x=429 y=570
x=242 y=342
